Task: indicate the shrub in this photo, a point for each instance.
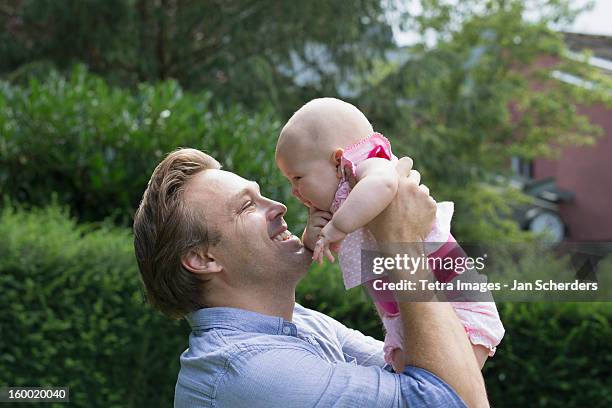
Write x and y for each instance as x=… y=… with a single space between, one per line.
x=96 y=146
x=73 y=314
x=553 y=355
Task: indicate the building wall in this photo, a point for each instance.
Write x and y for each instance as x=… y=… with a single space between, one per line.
x=587 y=173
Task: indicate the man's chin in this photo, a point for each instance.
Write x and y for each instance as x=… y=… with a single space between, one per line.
x=295 y=252
x=304 y=258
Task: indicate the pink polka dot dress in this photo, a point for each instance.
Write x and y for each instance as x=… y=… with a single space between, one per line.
x=480 y=319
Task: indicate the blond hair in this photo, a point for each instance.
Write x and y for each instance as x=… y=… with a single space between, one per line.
x=166 y=228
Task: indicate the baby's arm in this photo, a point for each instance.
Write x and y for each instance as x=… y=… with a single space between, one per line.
x=375 y=188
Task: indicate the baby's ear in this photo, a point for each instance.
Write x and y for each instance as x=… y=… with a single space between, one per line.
x=337 y=156
x=336 y=159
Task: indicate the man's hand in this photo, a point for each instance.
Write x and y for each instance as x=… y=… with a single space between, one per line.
x=329 y=239
x=317 y=219
x=410 y=216
x=435 y=339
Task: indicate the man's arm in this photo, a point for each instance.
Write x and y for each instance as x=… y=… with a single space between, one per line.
x=434 y=337
x=369 y=351
x=294 y=377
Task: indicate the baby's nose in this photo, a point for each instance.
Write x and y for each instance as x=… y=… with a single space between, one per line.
x=296 y=193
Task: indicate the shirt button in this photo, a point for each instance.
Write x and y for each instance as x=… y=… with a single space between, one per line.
x=286 y=330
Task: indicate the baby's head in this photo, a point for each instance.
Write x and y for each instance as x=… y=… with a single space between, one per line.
x=310 y=146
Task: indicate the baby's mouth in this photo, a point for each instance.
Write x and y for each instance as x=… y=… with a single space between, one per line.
x=304 y=201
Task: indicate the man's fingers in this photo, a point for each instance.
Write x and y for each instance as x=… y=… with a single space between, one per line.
x=403 y=166
x=415 y=177
x=424 y=189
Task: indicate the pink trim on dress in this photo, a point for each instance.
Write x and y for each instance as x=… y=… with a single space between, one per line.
x=481 y=320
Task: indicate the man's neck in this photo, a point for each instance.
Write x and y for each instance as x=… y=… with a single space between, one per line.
x=271 y=304
x=280 y=309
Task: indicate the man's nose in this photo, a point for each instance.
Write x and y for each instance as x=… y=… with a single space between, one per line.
x=276 y=210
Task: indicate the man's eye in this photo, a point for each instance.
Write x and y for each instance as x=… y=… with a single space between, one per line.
x=247 y=205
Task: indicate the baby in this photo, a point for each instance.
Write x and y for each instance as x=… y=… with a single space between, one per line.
x=345 y=174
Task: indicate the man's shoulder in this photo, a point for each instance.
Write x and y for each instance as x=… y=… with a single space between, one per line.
x=304 y=312
x=315 y=321
x=301 y=310
x=215 y=354
x=218 y=346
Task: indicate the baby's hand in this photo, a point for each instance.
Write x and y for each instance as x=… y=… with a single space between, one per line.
x=317 y=219
x=329 y=239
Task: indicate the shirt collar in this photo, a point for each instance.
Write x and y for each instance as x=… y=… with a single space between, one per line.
x=239 y=319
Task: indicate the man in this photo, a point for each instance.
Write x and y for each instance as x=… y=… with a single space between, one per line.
x=211 y=248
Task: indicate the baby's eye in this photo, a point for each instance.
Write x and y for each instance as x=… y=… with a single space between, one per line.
x=296 y=178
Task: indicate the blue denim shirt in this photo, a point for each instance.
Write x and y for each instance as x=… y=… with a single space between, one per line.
x=238 y=358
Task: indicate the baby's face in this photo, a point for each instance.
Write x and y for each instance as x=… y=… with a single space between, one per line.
x=313 y=179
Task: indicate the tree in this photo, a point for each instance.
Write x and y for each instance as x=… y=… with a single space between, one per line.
x=481 y=95
x=462 y=106
x=252 y=52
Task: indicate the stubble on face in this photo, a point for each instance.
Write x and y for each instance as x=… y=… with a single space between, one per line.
x=251 y=259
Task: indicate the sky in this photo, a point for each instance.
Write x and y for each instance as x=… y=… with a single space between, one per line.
x=598 y=20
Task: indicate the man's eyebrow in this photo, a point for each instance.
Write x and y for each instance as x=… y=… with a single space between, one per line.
x=252 y=186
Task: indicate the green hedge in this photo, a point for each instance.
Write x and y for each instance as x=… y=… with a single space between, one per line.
x=553 y=355
x=96 y=146
x=73 y=315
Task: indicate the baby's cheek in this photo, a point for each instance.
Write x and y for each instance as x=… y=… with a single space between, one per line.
x=326 y=197
x=309 y=192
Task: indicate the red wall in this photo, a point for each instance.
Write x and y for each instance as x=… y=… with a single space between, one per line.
x=586 y=172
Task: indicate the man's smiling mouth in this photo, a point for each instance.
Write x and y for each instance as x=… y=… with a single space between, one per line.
x=283 y=236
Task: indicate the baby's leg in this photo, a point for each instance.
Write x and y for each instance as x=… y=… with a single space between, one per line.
x=480 y=319
x=394 y=338
x=388 y=311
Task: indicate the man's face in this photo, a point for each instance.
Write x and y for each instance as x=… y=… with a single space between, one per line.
x=255 y=246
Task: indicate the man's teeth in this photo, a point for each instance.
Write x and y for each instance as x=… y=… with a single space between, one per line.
x=283 y=236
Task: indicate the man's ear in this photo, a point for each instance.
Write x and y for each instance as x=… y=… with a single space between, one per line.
x=200 y=262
